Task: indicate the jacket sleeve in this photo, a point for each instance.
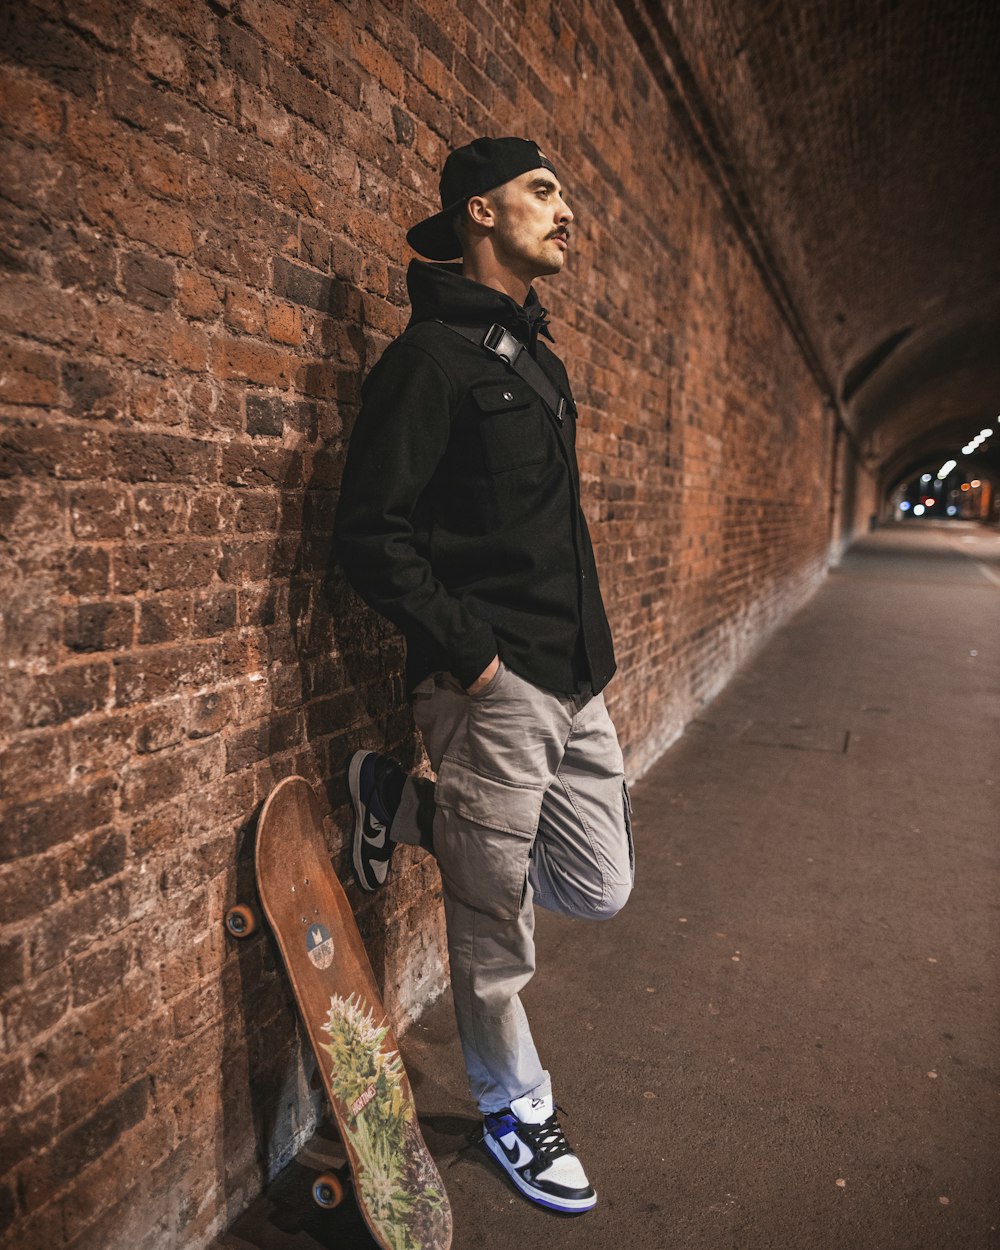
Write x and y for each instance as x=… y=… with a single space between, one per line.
x=398 y=441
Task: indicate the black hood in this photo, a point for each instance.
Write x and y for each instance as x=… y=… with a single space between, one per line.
x=441 y=293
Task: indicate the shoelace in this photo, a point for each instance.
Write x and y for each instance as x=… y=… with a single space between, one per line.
x=547 y=1140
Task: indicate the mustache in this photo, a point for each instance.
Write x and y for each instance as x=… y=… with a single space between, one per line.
x=560 y=233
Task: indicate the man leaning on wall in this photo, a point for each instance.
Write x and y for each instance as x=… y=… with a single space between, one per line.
x=460 y=521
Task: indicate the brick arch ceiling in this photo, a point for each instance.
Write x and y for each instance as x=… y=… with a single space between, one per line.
x=862 y=138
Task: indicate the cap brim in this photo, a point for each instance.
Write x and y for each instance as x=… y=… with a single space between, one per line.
x=435 y=238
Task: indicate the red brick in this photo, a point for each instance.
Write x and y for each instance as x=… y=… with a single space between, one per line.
x=73 y=926
x=165 y=618
x=165 y=566
x=35 y=827
x=251 y=361
x=284 y=324
x=30 y=107
x=197 y=296
x=147 y=457
x=95 y=972
x=158 y=53
x=33 y=765
x=36 y=1007
x=161 y=671
x=28 y=377
x=99 y=511
x=107 y=626
x=95 y=859
x=148 y=280
x=81 y=1145
x=243 y=310
x=12 y=962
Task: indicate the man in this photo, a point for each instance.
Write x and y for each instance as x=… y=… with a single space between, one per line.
x=460 y=521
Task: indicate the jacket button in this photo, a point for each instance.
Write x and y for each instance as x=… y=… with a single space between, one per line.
x=508 y=395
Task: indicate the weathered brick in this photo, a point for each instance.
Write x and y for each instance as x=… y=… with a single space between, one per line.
x=160 y=511
x=69 y=692
x=165 y=618
x=243 y=310
x=252 y=361
x=215 y=614
x=95 y=859
x=240 y=52
x=98 y=511
x=141 y=457
x=284 y=325
x=49 y=50
x=85 y=1143
x=108 y=626
x=265 y=416
x=95 y=972
x=149 y=281
x=12 y=962
x=70 y=927
x=197 y=295
x=28 y=377
x=36 y=1007
x=35 y=827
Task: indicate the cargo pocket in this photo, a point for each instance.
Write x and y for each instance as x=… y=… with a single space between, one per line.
x=483 y=836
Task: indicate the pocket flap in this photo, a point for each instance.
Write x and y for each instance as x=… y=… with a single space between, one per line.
x=488 y=801
x=499 y=396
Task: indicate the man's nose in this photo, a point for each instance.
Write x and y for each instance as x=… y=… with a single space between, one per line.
x=565 y=214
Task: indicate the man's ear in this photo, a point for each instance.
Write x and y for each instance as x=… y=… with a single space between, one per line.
x=480 y=210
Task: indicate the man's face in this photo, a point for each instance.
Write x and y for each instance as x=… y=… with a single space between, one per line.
x=531 y=231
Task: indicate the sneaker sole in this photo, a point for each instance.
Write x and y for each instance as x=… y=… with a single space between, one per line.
x=353 y=785
x=539 y=1196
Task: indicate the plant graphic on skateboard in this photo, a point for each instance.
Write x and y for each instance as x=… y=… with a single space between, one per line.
x=396 y=1182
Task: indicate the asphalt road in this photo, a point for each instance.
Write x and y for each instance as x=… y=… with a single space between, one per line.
x=789 y=1038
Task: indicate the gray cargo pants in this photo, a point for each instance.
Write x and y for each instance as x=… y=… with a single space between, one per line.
x=530 y=805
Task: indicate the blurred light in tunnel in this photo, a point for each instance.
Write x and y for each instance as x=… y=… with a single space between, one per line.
x=925 y=477
x=905 y=506
x=952 y=510
x=966 y=486
x=975 y=482
x=918 y=510
x=946 y=468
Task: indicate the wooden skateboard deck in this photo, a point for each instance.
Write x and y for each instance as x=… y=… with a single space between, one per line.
x=396 y=1182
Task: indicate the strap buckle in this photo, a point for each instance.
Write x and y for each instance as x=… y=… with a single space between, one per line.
x=503 y=344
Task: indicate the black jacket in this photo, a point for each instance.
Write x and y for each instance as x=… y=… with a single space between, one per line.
x=459 y=515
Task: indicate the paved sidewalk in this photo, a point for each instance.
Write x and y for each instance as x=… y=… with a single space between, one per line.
x=789 y=1038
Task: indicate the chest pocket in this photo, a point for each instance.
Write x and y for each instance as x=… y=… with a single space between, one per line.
x=512 y=424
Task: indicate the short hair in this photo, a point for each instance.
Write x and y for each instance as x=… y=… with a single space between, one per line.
x=460 y=218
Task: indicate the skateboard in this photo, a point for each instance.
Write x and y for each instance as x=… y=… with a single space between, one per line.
x=398 y=1188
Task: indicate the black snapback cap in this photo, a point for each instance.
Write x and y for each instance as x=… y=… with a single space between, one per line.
x=471 y=170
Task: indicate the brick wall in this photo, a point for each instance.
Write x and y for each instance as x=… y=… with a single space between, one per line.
x=204 y=206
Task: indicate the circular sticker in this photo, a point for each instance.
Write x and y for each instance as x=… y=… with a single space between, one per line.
x=319 y=945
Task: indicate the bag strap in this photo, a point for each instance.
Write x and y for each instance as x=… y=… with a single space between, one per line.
x=500 y=342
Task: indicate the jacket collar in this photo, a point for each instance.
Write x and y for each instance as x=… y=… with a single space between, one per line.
x=442 y=293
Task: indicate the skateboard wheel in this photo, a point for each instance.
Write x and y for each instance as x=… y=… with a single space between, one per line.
x=328 y=1190
x=240 y=921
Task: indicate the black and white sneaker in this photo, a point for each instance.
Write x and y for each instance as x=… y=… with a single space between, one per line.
x=376 y=785
x=528 y=1143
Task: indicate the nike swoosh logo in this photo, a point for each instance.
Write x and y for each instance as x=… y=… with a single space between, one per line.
x=519 y=1157
x=374 y=832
